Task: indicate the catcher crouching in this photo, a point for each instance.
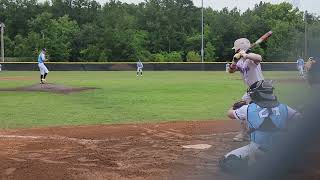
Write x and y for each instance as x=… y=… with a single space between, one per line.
x=266 y=119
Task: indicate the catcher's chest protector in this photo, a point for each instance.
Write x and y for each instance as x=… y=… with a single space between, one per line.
x=257 y=117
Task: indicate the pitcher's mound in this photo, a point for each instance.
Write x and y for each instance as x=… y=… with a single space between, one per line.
x=54 y=88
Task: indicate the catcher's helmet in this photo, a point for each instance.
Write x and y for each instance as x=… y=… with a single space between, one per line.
x=241 y=44
x=261 y=93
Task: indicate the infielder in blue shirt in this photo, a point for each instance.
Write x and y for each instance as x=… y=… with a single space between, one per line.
x=300 y=66
x=139 y=68
x=43 y=69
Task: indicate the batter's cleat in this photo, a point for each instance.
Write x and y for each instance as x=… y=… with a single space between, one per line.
x=43 y=81
x=241 y=137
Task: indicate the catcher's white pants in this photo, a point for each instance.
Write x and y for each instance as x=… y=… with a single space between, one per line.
x=43 y=69
x=250 y=151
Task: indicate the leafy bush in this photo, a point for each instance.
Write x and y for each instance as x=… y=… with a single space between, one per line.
x=193 y=56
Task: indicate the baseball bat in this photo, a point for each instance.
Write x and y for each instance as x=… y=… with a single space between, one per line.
x=262 y=39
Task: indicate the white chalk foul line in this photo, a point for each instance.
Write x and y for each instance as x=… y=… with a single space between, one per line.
x=81 y=141
x=219 y=134
x=86 y=141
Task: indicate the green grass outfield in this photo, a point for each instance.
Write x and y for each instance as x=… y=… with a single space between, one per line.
x=122 y=98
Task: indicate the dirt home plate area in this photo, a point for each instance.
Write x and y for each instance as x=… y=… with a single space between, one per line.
x=144 y=151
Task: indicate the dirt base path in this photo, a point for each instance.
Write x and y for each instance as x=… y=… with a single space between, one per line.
x=52 y=88
x=145 y=151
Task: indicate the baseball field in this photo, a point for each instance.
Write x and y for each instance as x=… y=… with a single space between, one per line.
x=113 y=125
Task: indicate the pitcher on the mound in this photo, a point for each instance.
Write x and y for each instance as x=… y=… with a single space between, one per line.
x=248 y=64
x=43 y=69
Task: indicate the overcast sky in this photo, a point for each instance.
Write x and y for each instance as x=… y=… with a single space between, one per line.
x=309 y=5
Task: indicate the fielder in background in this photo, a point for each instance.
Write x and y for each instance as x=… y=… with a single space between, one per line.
x=43 y=69
x=139 y=68
x=313 y=73
x=267 y=121
x=300 y=67
x=248 y=64
x=227 y=67
x=308 y=64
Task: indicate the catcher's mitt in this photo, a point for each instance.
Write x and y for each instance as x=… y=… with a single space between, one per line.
x=239 y=104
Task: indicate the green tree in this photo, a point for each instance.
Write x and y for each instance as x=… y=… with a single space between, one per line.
x=193 y=56
x=9 y=46
x=61 y=34
x=155 y=30
x=210 y=54
x=20 y=48
x=173 y=56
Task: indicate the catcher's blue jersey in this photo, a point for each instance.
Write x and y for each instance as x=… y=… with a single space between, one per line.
x=257 y=115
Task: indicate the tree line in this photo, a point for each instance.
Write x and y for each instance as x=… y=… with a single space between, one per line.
x=155 y=30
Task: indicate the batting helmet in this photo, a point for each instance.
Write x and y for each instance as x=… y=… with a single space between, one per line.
x=241 y=44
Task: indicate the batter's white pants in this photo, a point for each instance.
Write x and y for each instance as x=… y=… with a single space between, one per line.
x=43 y=69
x=246 y=97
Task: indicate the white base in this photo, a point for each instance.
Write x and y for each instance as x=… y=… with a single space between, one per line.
x=197 y=146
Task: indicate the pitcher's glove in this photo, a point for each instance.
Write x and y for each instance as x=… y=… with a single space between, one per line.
x=239 y=104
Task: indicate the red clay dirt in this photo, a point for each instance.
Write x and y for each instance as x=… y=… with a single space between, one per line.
x=135 y=151
x=53 y=88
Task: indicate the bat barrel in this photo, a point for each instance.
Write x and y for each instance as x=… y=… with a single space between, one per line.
x=262 y=38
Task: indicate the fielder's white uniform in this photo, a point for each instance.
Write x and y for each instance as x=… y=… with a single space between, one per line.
x=250 y=71
x=139 y=67
x=43 y=69
x=300 y=65
x=227 y=67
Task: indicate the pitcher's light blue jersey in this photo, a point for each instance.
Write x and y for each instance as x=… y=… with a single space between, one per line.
x=41 y=58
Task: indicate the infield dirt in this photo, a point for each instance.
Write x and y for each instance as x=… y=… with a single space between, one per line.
x=53 y=88
x=144 y=151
